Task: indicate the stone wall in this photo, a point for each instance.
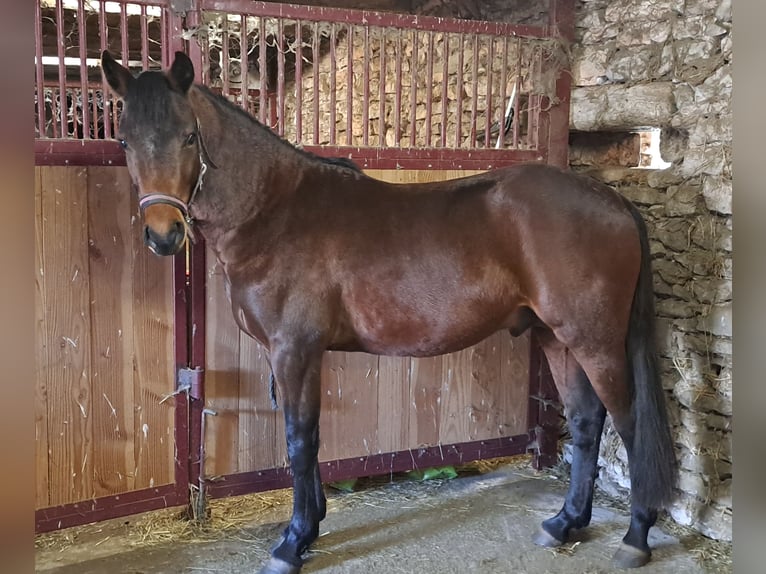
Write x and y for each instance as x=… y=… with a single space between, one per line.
x=667 y=64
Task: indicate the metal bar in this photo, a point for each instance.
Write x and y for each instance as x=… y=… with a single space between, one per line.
x=333 y=127
x=181 y=330
x=63 y=106
x=280 y=41
x=382 y=106
x=475 y=83
x=165 y=24
x=398 y=91
x=445 y=76
x=144 y=39
x=41 y=116
x=489 y=114
x=366 y=82
x=82 y=40
x=429 y=86
x=106 y=507
x=263 y=74
x=459 y=89
x=562 y=24
x=315 y=77
x=350 y=86
x=374 y=465
x=124 y=49
x=375 y=19
x=299 y=82
x=225 y=63
x=503 y=93
x=244 y=76
x=106 y=96
x=413 y=88
x=517 y=99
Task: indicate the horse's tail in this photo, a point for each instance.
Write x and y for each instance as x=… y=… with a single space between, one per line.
x=654 y=472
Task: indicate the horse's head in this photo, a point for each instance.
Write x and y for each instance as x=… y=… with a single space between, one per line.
x=160 y=133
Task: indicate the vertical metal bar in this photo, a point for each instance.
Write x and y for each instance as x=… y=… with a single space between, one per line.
x=517 y=99
x=106 y=96
x=366 y=82
x=475 y=82
x=298 y=82
x=225 y=64
x=263 y=75
x=398 y=90
x=445 y=76
x=41 y=116
x=413 y=87
x=562 y=24
x=382 y=106
x=244 y=64
x=315 y=74
x=503 y=93
x=489 y=114
x=429 y=86
x=144 y=39
x=166 y=22
x=281 y=76
x=333 y=127
x=124 y=48
x=82 y=38
x=63 y=106
x=459 y=89
x=181 y=330
x=350 y=86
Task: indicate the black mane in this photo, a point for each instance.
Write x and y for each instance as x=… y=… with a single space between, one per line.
x=341 y=162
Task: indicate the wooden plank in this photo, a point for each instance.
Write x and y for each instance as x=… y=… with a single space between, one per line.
x=222 y=372
x=514 y=375
x=261 y=430
x=65 y=369
x=425 y=395
x=486 y=389
x=393 y=401
x=455 y=408
x=111 y=276
x=348 y=423
x=154 y=374
x=42 y=497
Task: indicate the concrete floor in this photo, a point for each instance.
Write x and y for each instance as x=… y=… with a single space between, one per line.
x=478 y=523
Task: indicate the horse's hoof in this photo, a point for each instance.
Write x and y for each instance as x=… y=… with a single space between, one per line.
x=277 y=566
x=630 y=557
x=543 y=538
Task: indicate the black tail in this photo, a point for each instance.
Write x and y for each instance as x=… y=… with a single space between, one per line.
x=654 y=470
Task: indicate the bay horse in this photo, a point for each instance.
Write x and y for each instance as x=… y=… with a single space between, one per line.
x=319 y=256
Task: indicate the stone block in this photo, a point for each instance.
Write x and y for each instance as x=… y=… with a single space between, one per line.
x=718 y=320
x=622 y=107
x=717 y=193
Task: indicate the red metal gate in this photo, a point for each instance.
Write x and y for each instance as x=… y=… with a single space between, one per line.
x=388 y=91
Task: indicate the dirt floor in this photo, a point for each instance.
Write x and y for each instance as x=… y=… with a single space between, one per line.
x=479 y=522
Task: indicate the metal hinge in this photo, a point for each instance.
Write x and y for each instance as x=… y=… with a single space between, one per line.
x=190 y=381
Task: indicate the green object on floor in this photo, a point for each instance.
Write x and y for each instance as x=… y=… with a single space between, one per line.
x=433 y=473
x=344 y=485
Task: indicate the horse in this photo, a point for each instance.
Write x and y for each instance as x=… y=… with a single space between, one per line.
x=319 y=256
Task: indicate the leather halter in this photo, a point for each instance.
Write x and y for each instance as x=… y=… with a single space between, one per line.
x=183 y=206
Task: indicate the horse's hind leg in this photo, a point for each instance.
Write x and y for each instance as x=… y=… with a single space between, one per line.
x=608 y=373
x=297 y=371
x=585 y=415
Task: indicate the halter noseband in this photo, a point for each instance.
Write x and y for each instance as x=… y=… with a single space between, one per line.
x=182 y=206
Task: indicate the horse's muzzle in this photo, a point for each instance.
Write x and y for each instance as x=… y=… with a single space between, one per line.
x=168 y=244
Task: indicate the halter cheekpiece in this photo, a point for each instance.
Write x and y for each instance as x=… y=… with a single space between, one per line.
x=182 y=206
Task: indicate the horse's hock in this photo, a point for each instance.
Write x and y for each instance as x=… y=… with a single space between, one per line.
x=634 y=65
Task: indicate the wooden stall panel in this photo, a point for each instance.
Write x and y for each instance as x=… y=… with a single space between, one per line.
x=104 y=340
x=370 y=404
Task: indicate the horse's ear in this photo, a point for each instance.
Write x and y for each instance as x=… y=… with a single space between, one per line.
x=117 y=76
x=181 y=74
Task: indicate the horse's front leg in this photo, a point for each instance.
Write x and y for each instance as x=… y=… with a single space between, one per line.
x=297 y=371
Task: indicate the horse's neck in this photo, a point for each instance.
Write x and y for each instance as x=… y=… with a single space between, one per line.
x=241 y=189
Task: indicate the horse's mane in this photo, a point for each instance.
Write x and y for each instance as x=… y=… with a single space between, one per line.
x=222 y=101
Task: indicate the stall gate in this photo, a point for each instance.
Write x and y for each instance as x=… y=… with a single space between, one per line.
x=146 y=389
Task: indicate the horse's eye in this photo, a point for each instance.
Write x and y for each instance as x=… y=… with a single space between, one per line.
x=191 y=138
x=123 y=143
